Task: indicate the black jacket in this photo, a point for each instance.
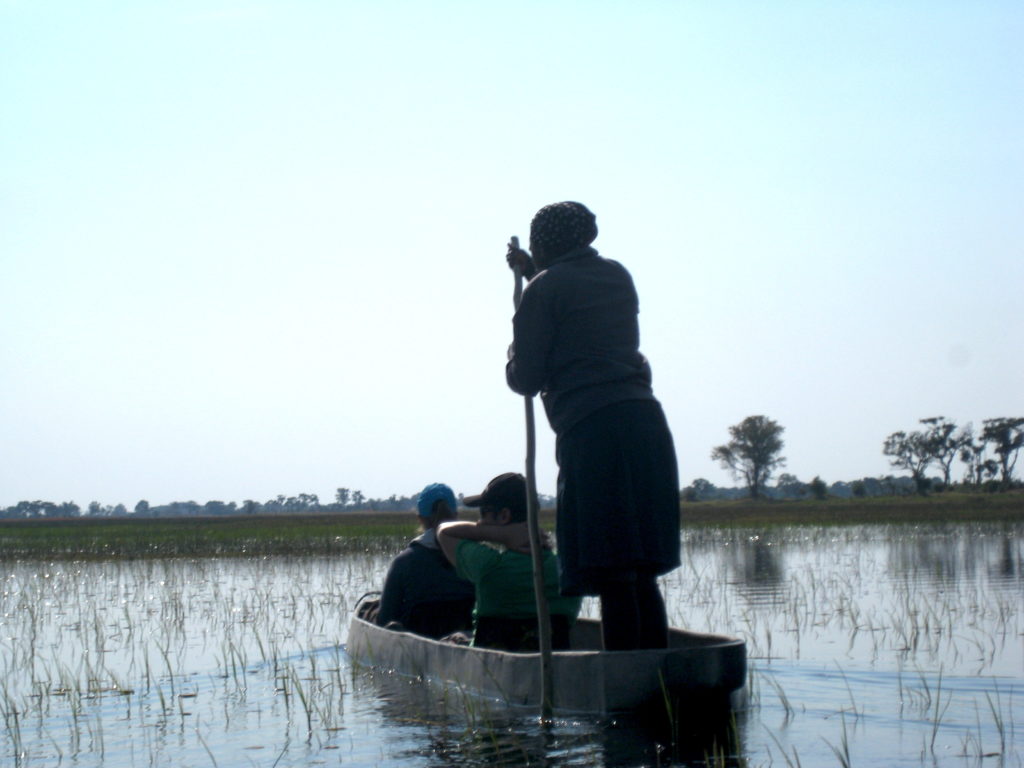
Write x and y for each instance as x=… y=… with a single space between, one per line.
x=418 y=576
x=577 y=338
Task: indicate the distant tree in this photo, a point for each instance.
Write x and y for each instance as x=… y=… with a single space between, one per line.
x=699 y=490
x=38 y=508
x=358 y=499
x=142 y=508
x=95 y=509
x=183 y=509
x=973 y=454
x=34 y=509
x=888 y=485
x=275 y=505
x=840 y=489
x=213 y=508
x=1007 y=438
x=70 y=509
x=753 y=452
x=818 y=488
x=943 y=442
x=859 y=489
x=790 y=486
x=341 y=496
x=912 y=452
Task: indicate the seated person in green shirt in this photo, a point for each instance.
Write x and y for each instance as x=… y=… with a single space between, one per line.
x=505 y=614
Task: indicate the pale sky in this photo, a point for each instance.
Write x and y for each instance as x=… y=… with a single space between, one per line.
x=256 y=248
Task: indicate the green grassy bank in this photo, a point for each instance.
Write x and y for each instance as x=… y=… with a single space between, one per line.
x=938 y=507
x=244 y=535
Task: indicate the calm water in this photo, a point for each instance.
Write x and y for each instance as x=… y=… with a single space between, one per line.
x=877 y=646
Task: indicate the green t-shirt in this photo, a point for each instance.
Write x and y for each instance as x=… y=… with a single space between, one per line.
x=504 y=581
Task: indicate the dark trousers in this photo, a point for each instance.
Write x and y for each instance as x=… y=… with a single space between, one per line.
x=633 y=613
x=519 y=635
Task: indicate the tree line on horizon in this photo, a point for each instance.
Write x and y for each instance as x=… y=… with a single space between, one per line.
x=754 y=452
x=345 y=500
x=752 y=455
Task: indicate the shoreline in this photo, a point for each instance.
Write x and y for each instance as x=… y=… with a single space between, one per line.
x=348 y=532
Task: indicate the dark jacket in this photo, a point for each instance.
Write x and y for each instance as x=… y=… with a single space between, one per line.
x=420 y=581
x=577 y=339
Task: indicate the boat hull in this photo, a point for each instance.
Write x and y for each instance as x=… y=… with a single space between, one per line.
x=697 y=671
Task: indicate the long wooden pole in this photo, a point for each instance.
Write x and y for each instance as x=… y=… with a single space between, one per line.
x=547 y=689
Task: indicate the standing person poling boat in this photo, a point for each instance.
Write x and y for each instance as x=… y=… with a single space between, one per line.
x=576 y=341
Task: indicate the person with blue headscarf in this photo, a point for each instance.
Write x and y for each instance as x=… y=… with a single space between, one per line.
x=422 y=593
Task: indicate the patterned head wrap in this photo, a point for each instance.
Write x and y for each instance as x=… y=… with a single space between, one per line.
x=561 y=227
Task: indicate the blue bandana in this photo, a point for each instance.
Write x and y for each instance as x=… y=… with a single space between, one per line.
x=430 y=494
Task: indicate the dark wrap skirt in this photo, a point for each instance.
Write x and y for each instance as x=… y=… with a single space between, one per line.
x=618 y=497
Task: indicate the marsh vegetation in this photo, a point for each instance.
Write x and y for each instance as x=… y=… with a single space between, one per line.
x=872 y=645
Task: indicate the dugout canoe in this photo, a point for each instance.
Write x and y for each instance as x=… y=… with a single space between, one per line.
x=697 y=671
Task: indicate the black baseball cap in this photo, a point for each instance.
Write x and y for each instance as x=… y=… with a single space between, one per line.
x=504 y=491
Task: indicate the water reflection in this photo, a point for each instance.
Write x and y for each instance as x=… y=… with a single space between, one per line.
x=756 y=566
x=1007 y=565
x=458 y=730
x=945 y=554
